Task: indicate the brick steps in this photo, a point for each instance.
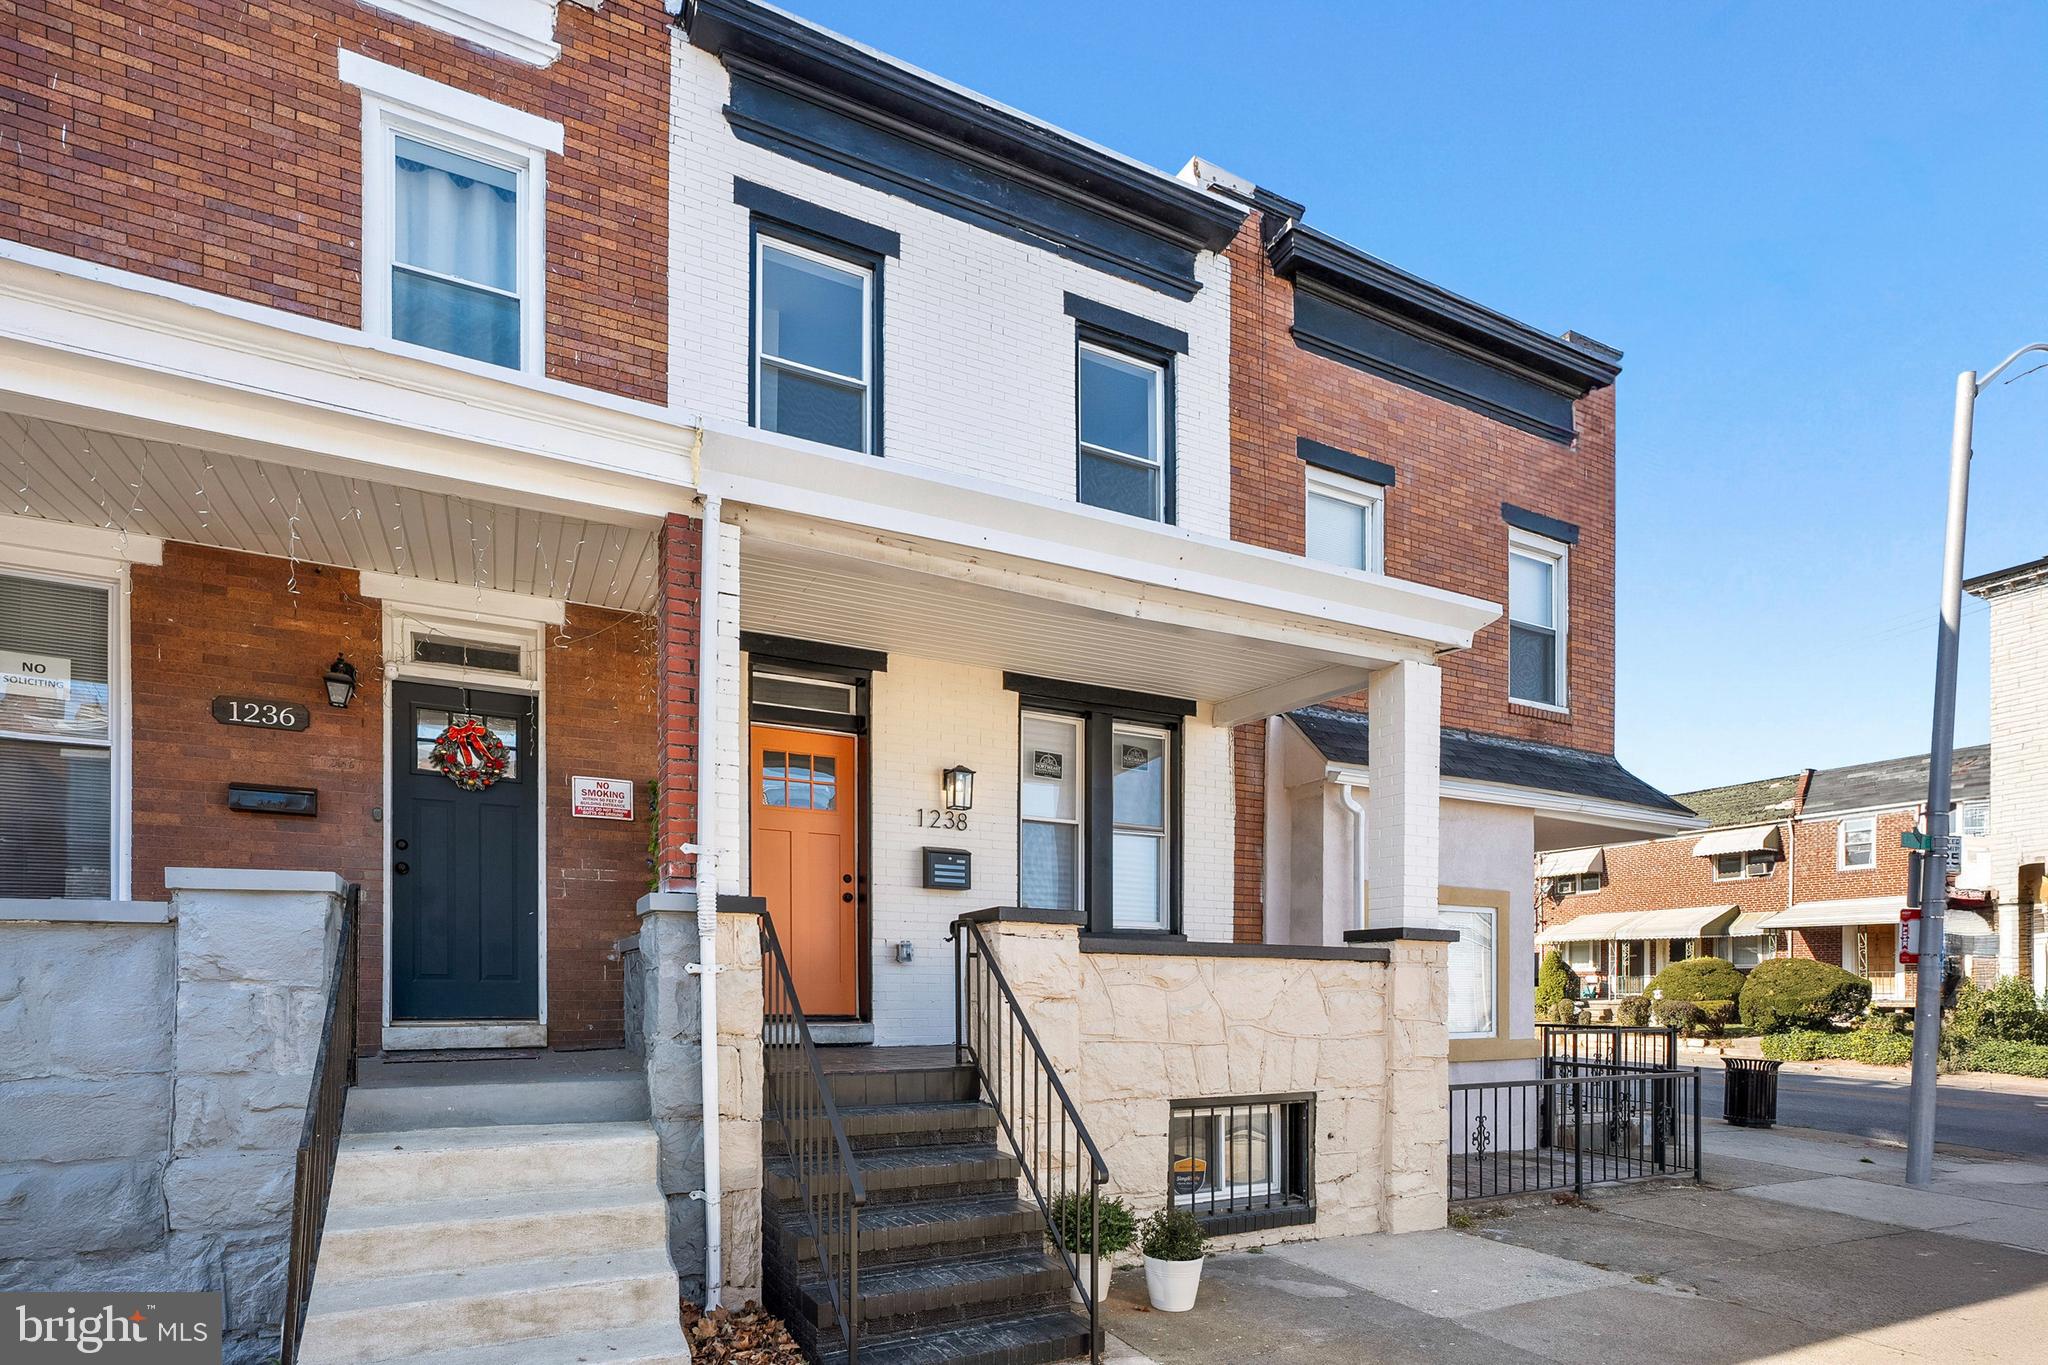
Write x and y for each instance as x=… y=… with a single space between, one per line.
x=954 y=1264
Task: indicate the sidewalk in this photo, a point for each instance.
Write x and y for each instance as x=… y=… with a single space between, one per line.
x=1801 y=1246
x=1690 y=1054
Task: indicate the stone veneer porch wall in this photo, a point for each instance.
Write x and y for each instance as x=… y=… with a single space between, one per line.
x=1360 y=1028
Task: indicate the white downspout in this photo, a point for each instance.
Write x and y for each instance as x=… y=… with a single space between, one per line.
x=707 y=888
x=1349 y=794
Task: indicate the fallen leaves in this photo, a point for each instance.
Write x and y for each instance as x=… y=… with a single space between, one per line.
x=749 y=1335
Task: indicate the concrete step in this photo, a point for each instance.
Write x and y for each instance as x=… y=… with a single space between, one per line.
x=944 y=1291
x=451 y=1163
x=950 y=1228
x=910 y=1083
x=371 y=1241
x=662 y=1344
x=393 y=1107
x=404 y=1317
x=1027 y=1339
x=945 y=1171
x=871 y=1126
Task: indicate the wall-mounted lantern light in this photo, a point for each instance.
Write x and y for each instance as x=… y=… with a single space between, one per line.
x=341 y=681
x=959 y=782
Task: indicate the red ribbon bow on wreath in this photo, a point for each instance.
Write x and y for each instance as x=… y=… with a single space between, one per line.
x=469 y=755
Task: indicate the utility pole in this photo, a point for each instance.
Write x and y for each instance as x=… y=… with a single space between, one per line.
x=1940 y=774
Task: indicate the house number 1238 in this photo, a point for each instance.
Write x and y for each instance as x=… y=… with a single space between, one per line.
x=940 y=819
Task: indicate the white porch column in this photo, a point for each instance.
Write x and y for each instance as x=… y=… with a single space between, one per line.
x=1401 y=847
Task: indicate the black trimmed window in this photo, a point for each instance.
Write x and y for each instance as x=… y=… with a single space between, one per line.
x=1243 y=1163
x=59 y=732
x=816 y=371
x=1099 y=805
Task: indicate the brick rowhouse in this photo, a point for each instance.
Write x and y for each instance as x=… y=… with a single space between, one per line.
x=1454 y=468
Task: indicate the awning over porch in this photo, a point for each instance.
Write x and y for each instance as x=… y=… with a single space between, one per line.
x=1692 y=921
x=1748 y=839
x=1571 y=862
x=1589 y=928
x=1838 y=914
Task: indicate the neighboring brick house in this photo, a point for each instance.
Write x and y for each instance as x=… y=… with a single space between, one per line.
x=1805 y=865
x=2018 y=845
x=1383 y=424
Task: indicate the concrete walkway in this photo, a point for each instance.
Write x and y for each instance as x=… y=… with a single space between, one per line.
x=1800 y=1247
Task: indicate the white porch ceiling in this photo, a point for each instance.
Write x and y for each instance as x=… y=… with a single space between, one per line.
x=838 y=599
x=62 y=472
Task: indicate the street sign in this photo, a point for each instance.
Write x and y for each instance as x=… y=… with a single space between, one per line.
x=1916 y=838
x=1909 y=935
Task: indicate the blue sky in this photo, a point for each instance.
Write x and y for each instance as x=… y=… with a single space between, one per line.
x=1799 y=221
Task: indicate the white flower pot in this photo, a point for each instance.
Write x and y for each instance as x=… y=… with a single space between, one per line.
x=1171 y=1285
x=1090 y=1275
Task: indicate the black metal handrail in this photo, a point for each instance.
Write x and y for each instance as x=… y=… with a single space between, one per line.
x=334 y=1071
x=1601 y=1124
x=1038 y=1118
x=798 y=1101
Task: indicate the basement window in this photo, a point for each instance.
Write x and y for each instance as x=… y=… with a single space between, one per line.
x=1245 y=1163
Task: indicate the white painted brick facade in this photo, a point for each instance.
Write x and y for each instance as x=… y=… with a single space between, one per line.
x=2019 y=753
x=1403 y=838
x=978 y=352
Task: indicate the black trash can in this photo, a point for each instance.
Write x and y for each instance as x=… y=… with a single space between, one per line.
x=1749 y=1091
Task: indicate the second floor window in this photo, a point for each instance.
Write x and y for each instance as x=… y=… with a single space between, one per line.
x=1343 y=521
x=813 y=345
x=1122 y=405
x=455 y=276
x=1730 y=867
x=1975 y=821
x=1857 y=844
x=1536 y=620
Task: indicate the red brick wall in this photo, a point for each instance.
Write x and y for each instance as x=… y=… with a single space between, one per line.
x=214 y=622
x=212 y=142
x=1454 y=468
x=1663 y=874
x=681 y=539
x=600 y=712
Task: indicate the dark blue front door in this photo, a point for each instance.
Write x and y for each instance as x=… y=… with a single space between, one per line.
x=465 y=923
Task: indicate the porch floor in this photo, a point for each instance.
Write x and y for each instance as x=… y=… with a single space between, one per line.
x=604 y=1086
x=847 y=1060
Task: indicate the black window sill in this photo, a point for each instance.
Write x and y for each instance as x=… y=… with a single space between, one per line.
x=1224 y=1223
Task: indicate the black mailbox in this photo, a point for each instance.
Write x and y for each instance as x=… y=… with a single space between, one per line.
x=948 y=869
x=273 y=800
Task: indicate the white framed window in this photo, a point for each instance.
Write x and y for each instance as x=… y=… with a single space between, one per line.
x=1537 y=625
x=1052 y=811
x=1582 y=884
x=1856 y=844
x=1141 y=859
x=62 y=771
x=1240 y=1156
x=1344 y=521
x=1975 y=820
x=1732 y=867
x=1583 y=956
x=454 y=218
x=813 y=344
x=1121 y=402
x=1473 y=969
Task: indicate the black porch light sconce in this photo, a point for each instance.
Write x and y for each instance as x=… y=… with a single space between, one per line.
x=341 y=681
x=959 y=784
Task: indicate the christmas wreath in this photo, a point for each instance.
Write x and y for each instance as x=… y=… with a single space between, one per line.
x=468 y=754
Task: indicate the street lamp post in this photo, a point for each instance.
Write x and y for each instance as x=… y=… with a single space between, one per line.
x=1940 y=773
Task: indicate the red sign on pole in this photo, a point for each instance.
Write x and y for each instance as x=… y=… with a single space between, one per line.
x=1909 y=935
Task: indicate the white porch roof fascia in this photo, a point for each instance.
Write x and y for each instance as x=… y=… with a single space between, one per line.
x=1748 y=839
x=1560 y=809
x=122 y=352
x=1571 y=862
x=895 y=502
x=1840 y=914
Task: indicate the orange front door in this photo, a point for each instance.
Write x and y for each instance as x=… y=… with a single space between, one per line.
x=806 y=860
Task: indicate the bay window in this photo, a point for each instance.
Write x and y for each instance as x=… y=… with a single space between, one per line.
x=57 y=734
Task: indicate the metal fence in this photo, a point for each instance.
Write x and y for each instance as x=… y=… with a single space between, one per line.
x=1605 y=1124
x=334 y=1071
x=1632 y=1046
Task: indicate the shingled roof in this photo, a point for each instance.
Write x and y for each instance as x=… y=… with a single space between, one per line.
x=1343 y=737
x=1744 y=803
x=1895 y=782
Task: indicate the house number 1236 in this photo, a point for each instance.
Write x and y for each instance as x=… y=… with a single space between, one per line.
x=940 y=819
x=263 y=714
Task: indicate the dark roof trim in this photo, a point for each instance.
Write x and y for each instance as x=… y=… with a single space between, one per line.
x=1129 y=325
x=1344 y=462
x=2005 y=580
x=1345 y=737
x=814 y=652
x=917 y=103
x=798 y=213
x=1522 y=519
x=1573 y=367
x=1087 y=695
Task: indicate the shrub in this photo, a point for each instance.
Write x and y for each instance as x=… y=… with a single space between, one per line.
x=1797 y=992
x=1697 y=978
x=2009 y=1012
x=1632 y=1009
x=1886 y=1021
x=1874 y=1046
x=1173 y=1235
x=2007 y=1058
x=1696 y=1018
x=1557 y=989
x=1116 y=1227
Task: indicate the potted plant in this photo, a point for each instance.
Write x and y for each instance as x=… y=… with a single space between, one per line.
x=1115 y=1229
x=1173 y=1259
